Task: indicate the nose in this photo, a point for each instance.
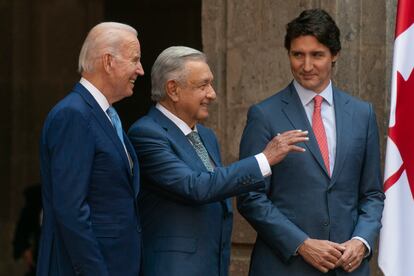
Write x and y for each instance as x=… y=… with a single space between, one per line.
x=308 y=64
x=139 y=70
x=211 y=93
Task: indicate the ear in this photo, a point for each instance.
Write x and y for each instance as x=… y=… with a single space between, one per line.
x=334 y=59
x=172 y=90
x=107 y=61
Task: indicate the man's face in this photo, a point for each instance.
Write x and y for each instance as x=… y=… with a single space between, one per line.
x=311 y=63
x=195 y=93
x=127 y=67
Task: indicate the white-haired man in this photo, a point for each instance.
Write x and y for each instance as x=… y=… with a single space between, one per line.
x=89 y=169
x=185 y=203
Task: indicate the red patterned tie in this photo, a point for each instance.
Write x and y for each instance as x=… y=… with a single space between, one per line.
x=319 y=131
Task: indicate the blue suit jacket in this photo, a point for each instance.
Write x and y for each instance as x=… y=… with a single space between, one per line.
x=301 y=199
x=90 y=219
x=186 y=213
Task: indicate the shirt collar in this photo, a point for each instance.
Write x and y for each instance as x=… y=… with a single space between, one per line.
x=97 y=95
x=177 y=121
x=306 y=95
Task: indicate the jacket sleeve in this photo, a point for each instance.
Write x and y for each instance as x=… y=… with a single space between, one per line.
x=170 y=175
x=272 y=226
x=70 y=148
x=371 y=196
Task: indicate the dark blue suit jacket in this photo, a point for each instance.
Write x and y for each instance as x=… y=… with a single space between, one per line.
x=90 y=219
x=301 y=199
x=186 y=213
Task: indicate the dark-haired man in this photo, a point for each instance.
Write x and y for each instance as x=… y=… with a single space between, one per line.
x=322 y=209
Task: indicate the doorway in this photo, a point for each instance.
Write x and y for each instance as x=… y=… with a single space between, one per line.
x=160 y=24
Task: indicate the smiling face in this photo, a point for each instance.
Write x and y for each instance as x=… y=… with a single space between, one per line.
x=195 y=93
x=126 y=67
x=311 y=63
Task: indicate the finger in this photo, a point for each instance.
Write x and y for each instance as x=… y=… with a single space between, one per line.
x=336 y=253
x=330 y=261
x=292 y=134
x=354 y=266
x=295 y=140
x=339 y=247
x=297 y=149
x=321 y=268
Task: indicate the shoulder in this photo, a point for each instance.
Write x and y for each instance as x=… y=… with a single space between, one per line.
x=357 y=104
x=72 y=106
x=146 y=126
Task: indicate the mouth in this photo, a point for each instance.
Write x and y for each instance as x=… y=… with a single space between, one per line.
x=132 y=81
x=308 y=76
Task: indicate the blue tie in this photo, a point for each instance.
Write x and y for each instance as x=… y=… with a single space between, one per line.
x=200 y=149
x=116 y=122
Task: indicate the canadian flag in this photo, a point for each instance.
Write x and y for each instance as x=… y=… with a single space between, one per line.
x=396 y=247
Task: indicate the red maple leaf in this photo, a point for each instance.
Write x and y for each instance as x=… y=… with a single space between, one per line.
x=402 y=133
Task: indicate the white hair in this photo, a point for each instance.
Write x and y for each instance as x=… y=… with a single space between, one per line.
x=170 y=65
x=106 y=37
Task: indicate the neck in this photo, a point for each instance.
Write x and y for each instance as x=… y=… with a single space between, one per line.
x=171 y=107
x=100 y=84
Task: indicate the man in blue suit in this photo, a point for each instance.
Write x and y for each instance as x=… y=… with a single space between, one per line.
x=90 y=177
x=185 y=205
x=321 y=210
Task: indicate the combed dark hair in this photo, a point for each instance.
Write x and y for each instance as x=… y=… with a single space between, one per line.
x=318 y=23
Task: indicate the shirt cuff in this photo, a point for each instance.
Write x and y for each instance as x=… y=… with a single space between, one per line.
x=365 y=243
x=263 y=164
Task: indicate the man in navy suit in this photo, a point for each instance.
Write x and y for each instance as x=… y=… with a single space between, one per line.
x=185 y=205
x=90 y=177
x=322 y=209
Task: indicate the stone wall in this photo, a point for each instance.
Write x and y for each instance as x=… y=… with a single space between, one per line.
x=244 y=42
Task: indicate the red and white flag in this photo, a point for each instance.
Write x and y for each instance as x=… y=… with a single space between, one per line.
x=396 y=248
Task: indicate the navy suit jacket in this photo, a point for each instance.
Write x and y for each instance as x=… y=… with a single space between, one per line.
x=186 y=213
x=301 y=199
x=90 y=220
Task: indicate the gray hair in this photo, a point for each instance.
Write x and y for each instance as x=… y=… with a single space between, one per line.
x=170 y=65
x=105 y=37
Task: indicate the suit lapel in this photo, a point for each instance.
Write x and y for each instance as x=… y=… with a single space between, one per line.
x=178 y=136
x=186 y=146
x=209 y=144
x=343 y=124
x=296 y=114
x=104 y=122
x=135 y=166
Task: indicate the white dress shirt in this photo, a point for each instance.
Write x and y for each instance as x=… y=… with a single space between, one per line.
x=261 y=158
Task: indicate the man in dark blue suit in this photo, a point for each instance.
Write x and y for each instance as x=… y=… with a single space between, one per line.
x=322 y=209
x=185 y=205
x=90 y=177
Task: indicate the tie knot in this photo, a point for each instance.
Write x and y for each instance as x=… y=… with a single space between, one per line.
x=194 y=137
x=318 y=101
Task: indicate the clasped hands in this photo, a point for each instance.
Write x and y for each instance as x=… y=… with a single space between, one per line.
x=326 y=255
